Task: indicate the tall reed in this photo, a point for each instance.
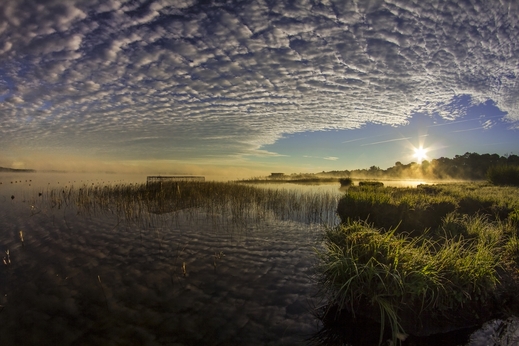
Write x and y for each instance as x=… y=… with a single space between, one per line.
x=233 y=202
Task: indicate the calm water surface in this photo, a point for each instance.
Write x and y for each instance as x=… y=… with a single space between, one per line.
x=182 y=278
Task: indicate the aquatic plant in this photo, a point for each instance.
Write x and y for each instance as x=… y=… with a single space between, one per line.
x=346 y=181
x=234 y=202
x=371 y=183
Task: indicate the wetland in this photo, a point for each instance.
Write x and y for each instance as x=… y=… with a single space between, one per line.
x=108 y=260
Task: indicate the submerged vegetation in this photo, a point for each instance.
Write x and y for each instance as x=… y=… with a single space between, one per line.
x=424 y=260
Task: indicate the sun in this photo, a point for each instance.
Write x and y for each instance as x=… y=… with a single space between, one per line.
x=420 y=154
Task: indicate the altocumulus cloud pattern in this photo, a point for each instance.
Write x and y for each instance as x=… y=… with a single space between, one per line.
x=228 y=77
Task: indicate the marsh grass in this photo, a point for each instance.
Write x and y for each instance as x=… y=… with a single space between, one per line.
x=371 y=183
x=234 y=203
x=425 y=206
x=346 y=182
x=402 y=256
x=364 y=270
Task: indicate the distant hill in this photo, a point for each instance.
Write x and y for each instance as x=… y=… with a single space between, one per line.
x=4 y=169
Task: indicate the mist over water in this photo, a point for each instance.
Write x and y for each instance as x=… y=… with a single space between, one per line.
x=40 y=181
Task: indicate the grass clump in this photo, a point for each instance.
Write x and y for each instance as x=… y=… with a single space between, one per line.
x=371 y=183
x=404 y=281
x=346 y=181
x=512 y=245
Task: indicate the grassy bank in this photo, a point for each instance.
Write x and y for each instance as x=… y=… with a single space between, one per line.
x=423 y=260
x=414 y=210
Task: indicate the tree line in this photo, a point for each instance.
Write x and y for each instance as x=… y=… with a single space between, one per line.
x=469 y=166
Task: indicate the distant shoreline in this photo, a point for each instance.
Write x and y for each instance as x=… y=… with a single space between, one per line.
x=280 y=181
x=14 y=170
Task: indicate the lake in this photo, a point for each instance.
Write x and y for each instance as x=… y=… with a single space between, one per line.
x=180 y=278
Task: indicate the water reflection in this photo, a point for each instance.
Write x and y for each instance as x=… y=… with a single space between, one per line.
x=185 y=277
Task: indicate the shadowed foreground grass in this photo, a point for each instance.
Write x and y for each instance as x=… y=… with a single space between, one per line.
x=424 y=260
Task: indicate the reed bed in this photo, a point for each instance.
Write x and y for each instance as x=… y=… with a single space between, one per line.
x=235 y=203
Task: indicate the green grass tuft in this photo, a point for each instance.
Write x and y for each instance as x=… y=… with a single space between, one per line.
x=365 y=270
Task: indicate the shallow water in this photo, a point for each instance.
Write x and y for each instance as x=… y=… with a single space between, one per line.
x=183 y=278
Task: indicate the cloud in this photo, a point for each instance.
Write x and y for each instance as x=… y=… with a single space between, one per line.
x=14 y=99
x=388 y=141
x=263 y=153
x=488 y=124
x=228 y=78
x=471 y=129
x=331 y=158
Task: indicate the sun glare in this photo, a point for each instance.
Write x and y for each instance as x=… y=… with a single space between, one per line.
x=420 y=154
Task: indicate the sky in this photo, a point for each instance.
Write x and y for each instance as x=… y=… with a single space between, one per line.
x=245 y=88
